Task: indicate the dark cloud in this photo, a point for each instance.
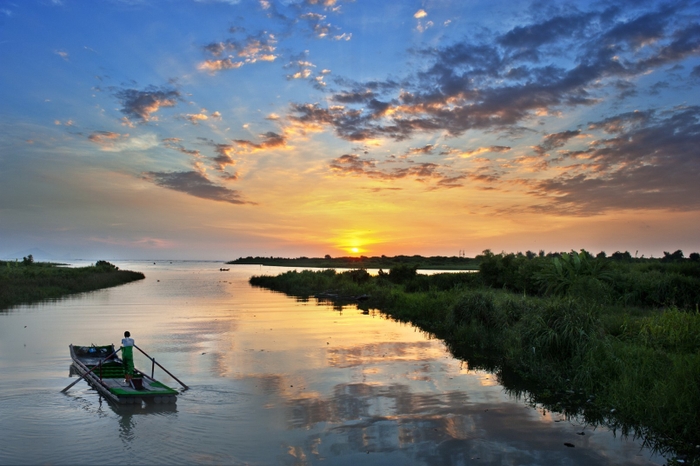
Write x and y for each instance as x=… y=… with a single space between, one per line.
x=555 y=140
x=651 y=162
x=425 y=150
x=229 y=176
x=174 y=143
x=696 y=72
x=270 y=140
x=195 y=184
x=623 y=122
x=105 y=138
x=556 y=61
x=549 y=31
x=641 y=30
x=353 y=164
x=141 y=105
x=224 y=158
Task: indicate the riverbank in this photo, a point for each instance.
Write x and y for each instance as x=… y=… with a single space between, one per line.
x=30 y=282
x=591 y=342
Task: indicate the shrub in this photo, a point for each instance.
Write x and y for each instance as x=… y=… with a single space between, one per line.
x=105 y=266
x=402 y=273
x=357 y=276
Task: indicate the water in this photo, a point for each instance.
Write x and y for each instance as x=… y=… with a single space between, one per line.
x=272 y=381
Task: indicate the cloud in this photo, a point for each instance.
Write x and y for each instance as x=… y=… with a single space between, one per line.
x=142 y=105
x=420 y=14
x=270 y=140
x=195 y=184
x=174 y=143
x=649 y=162
x=224 y=158
x=483 y=150
x=302 y=68
x=555 y=140
x=195 y=118
x=115 y=142
x=106 y=139
x=425 y=150
x=355 y=165
x=219 y=65
x=555 y=62
x=249 y=50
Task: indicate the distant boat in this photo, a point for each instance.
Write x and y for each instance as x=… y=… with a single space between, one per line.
x=104 y=371
x=224 y=270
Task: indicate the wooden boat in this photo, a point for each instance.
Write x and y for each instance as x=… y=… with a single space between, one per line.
x=104 y=371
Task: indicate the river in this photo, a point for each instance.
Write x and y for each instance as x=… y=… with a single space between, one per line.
x=273 y=380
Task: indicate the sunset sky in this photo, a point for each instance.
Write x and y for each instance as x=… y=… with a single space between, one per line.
x=195 y=129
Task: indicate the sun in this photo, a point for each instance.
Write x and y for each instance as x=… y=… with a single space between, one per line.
x=354 y=250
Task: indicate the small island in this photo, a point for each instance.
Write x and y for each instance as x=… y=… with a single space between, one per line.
x=29 y=282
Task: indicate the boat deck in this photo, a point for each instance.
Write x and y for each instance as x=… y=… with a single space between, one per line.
x=150 y=388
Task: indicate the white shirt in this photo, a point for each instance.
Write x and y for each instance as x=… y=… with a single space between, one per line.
x=127 y=342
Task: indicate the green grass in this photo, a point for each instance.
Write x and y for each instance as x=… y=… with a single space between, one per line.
x=635 y=368
x=26 y=283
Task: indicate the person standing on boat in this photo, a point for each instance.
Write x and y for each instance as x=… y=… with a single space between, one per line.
x=128 y=356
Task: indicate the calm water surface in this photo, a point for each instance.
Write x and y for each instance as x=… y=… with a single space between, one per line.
x=273 y=381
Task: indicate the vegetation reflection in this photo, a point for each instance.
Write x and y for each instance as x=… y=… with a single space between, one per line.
x=612 y=340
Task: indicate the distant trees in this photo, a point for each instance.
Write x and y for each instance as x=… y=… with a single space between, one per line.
x=29 y=260
x=677 y=256
x=621 y=256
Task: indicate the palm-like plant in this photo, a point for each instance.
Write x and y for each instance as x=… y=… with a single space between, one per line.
x=567 y=269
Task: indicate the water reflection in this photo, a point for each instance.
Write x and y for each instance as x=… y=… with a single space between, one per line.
x=272 y=381
x=128 y=415
x=435 y=428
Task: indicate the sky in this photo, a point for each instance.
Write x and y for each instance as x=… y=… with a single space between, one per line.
x=217 y=129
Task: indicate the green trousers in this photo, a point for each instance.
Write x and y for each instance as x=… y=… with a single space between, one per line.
x=128 y=357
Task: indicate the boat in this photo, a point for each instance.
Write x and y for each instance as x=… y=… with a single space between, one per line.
x=104 y=371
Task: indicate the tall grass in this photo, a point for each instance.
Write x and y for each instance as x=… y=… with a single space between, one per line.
x=22 y=283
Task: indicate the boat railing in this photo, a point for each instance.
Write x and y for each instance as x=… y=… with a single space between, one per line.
x=153 y=367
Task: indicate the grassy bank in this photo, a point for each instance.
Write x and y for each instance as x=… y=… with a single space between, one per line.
x=29 y=282
x=617 y=343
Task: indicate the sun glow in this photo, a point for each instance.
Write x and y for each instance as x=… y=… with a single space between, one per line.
x=354 y=250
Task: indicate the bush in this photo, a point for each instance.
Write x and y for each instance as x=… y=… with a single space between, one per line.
x=105 y=266
x=357 y=275
x=402 y=273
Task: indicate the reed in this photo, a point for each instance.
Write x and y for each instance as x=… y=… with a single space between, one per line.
x=30 y=282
